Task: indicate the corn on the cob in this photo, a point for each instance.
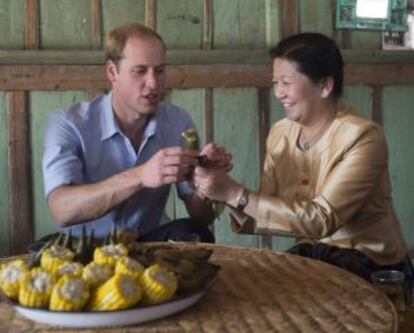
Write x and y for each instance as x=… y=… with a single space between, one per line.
x=55 y=256
x=36 y=287
x=109 y=254
x=158 y=284
x=95 y=274
x=72 y=268
x=129 y=266
x=119 y=292
x=10 y=276
x=69 y=294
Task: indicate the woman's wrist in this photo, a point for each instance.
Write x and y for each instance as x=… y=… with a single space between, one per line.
x=234 y=194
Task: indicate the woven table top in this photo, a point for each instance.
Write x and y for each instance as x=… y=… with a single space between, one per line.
x=262 y=291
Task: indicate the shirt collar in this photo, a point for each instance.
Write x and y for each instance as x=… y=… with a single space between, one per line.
x=151 y=127
x=110 y=126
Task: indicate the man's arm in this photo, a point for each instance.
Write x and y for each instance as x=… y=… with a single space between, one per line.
x=73 y=204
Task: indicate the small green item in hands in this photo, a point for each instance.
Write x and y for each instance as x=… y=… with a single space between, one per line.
x=191 y=139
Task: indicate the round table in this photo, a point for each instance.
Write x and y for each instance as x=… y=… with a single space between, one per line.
x=261 y=291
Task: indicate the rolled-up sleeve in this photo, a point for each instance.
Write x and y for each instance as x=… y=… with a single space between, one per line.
x=61 y=162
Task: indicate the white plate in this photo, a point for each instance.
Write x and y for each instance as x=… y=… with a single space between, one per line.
x=111 y=318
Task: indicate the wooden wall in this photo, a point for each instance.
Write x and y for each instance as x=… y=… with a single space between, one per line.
x=219 y=70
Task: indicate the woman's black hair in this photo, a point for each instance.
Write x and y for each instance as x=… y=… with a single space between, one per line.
x=316 y=55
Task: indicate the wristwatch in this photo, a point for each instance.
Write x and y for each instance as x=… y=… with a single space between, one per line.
x=242 y=200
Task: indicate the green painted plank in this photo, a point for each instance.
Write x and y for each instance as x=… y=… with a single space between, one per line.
x=65 y=24
x=360 y=98
x=170 y=209
x=41 y=105
x=239 y=24
x=276 y=109
x=279 y=243
x=117 y=12
x=398 y=120
x=366 y=40
x=317 y=16
x=4 y=174
x=236 y=126
x=12 y=24
x=180 y=23
x=190 y=100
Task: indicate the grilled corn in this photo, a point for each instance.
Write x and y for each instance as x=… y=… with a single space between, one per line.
x=129 y=266
x=55 y=256
x=119 y=292
x=36 y=287
x=10 y=276
x=72 y=268
x=158 y=284
x=96 y=274
x=109 y=254
x=69 y=294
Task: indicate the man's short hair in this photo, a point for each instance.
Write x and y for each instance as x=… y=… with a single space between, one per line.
x=117 y=38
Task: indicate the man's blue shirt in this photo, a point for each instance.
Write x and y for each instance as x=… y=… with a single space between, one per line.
x=84 y=144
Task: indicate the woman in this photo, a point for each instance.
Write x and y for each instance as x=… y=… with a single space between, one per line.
x=325 y=178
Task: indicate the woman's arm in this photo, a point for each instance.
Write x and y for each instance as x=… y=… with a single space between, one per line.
x=347 y=186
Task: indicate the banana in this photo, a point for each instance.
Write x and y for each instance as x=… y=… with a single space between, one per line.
x=191 y=266
x=196 y=254
x=192 y=273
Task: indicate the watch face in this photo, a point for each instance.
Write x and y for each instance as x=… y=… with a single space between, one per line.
x=242 y=202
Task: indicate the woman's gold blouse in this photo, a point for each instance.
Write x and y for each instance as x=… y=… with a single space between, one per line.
x=338 y=192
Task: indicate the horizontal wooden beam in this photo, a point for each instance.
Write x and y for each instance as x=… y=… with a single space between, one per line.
x=87 y=77
x=191 y=57
x=380 y=74
x=92 y=77
x=53 y=77
x=95 y=57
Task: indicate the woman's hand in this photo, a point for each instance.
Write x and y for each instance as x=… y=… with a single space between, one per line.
x=217 y=157
x=216 y=184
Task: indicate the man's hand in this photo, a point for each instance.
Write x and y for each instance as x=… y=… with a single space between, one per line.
x=168 y=166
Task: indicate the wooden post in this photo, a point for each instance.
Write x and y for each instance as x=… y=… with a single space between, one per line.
x=290 y=17
x=208 y=25
x=96 y=22
x=208 y=111
x=21 y=222
x=32 y=25
x=151 y=14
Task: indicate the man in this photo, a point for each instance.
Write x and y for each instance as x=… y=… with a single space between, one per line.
x=112 y=160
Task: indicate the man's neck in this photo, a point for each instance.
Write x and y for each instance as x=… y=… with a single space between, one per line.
x=132 y=125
